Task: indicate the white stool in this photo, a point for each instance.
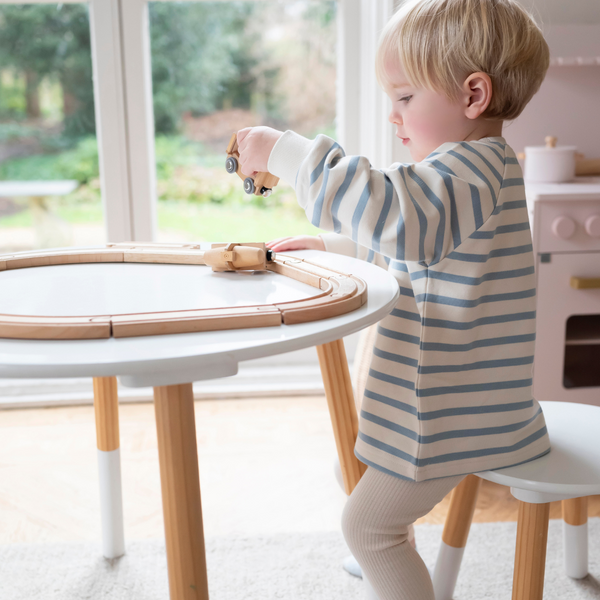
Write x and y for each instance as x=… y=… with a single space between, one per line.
x=570 y=472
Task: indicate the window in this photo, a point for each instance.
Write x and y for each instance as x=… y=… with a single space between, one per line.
x=218 y=67
x=49 y=177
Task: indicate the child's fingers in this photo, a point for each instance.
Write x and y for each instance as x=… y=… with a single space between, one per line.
x=241 y=134
x=293 y=243
x=276 y=241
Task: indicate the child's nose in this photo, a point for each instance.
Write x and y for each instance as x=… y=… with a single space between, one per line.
x=394 y=118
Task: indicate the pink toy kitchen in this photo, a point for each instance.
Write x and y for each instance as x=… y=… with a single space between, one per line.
x=558 y=141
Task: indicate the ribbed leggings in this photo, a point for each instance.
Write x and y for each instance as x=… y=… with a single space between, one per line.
x=375 y=524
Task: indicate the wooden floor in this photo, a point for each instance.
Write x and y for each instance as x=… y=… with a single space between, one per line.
x=266 y=466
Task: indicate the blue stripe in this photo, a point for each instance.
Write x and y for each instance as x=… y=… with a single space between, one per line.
x=508 y=318
x=472 y=167
x=314 y=176
x=440 y=166
x=397 y=335
x=398 y=358
x=360 y=209
x=494 y=276
x=470 y=388
x=500 y=157
x=387 y=448
x=499 y=144
x=459 y=411
x=512 y=182
x=488 y=235
x=370 y=463
x=444 y=172
x=403 y=406
x=337 y=200
x=422 y=221
x=318 y=205
x=483 y=364
x=399 y=266
x=474 y=410
x=453 y=456
x=404 y=291
x=462 y=302
x=511 y=160
x=498 y=252
x=486 y=343
x=510 y=205
x=439 y=205
x=405 y=314
x=383 y=215
x=447 y=435
x=370 y=256
x=488 y=164
x=409 y=385
x=476 y=204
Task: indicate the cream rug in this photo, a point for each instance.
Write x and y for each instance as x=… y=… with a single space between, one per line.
x=291 y=567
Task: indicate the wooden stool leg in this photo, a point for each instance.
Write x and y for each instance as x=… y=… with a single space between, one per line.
x=530 y=556
x=575 y=537
x=342 y=410
x=180 y=484
x=106 y=408
x=454 y=536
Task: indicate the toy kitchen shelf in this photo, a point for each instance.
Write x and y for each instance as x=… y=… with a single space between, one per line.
x=574 y=45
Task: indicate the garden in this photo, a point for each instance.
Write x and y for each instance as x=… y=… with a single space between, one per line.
x=216 y=67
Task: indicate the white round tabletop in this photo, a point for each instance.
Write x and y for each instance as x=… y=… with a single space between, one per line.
x=572 y=467
x=119 y=288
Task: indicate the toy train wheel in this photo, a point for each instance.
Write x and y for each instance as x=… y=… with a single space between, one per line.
x=249 y=185
x=231 y=165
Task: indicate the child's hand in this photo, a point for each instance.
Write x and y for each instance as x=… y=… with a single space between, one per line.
x=298 y=242
x=255 y=145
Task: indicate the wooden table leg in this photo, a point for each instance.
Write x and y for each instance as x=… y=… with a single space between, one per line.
x=340 y=398
x=454 y=536
x=575 y=537
x=180 y=483
x=530 y=556
x=106 y=408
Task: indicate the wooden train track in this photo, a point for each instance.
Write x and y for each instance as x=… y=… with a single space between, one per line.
x=338 y=294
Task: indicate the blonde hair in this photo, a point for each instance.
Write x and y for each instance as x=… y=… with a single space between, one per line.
x=439 y=43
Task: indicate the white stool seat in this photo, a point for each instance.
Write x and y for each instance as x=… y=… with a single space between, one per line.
x=569 y=472
x=571 y=469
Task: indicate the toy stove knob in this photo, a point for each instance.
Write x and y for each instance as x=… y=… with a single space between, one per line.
x=563 y=227
x=592 y=226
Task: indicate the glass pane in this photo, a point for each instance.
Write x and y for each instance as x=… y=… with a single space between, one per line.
x=218 y=67
x=49 y=186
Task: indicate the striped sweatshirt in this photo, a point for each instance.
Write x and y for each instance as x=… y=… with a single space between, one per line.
x=449 y=390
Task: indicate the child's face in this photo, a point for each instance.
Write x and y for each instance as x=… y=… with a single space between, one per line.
x=424 y=119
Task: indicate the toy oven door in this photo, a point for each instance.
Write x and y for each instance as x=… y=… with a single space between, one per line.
x=567 y=355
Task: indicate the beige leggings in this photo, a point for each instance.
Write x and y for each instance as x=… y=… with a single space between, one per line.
x=375 y=524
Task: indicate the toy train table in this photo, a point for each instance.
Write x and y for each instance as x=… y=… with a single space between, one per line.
x=166 y=316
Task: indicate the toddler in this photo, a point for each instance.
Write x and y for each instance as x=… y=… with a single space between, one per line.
x=449 y=386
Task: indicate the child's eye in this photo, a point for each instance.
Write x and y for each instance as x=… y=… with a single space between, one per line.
x=405 y=99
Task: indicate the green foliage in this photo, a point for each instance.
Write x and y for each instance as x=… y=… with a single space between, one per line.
x=199 y=56
x=80 y=163
x=52 y=40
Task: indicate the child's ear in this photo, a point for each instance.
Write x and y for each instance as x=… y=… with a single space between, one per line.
x=477 y=90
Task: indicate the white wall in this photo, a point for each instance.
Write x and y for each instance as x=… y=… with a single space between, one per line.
x=571 y=12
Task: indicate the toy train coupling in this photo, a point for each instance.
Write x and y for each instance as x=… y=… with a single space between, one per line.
x=239 y=257
x=261 y=185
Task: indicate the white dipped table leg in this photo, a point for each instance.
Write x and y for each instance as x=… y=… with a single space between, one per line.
x=575 y=537
x=111 y=505
x=106 y=406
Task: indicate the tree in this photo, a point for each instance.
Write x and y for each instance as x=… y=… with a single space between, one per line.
x=199 y=56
